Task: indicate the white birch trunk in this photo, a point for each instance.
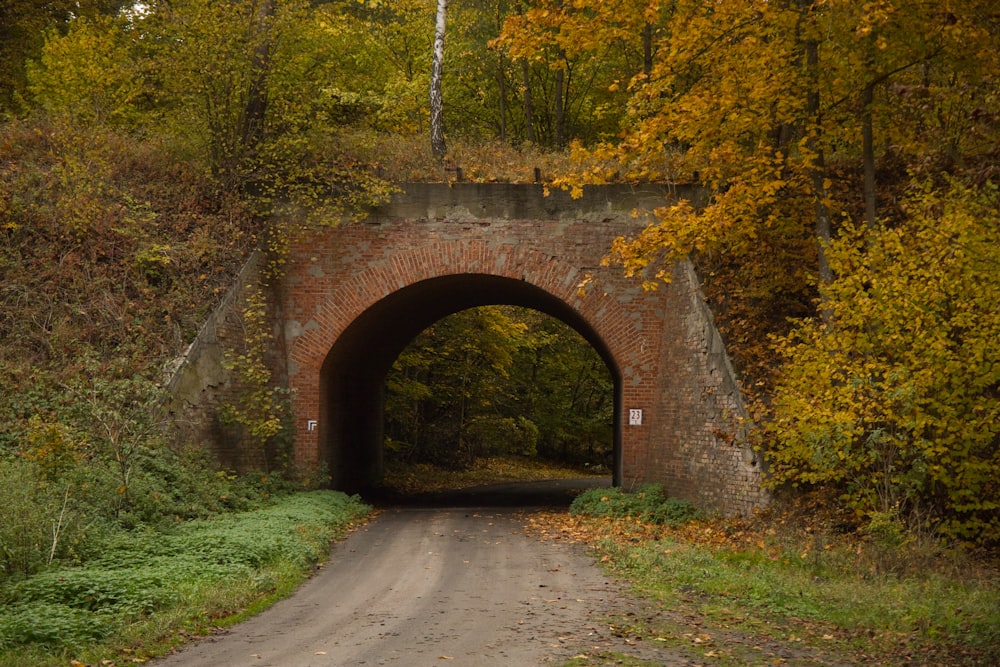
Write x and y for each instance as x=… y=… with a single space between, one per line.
x=438 y=146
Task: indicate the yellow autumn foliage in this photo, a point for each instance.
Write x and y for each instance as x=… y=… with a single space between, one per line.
x=897 y=400
x=803 y=122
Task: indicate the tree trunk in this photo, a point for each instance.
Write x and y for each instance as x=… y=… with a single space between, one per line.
x=817 y=168
x=527 y=104
x=529 y=109
x=647 y=49
x=868 y=153
x=502 y=81
x=252 y=130
x=438 y=146
x=560 y=105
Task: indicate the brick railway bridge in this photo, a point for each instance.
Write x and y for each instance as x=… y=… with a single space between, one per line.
x=352 y=298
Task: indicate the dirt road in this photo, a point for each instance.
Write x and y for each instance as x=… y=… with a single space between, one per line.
x=459 y=585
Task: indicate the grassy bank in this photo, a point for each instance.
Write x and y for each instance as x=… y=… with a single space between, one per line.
x=788 y=589
x=151 y=588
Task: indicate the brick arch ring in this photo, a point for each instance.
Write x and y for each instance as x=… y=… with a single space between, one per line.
x=560 y=279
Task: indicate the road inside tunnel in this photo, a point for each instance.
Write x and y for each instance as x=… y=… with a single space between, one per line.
x=547 y=493
x=352 y=392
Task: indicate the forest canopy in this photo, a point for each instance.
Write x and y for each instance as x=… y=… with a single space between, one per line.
x=848 y=247
x=850 y=244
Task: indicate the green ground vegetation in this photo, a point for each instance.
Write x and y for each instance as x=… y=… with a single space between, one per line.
x=134 y=594
x=799 y=586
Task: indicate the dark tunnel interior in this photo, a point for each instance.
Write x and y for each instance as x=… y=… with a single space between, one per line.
x=354 y=371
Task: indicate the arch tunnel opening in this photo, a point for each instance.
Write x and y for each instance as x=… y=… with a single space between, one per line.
x=353 y=375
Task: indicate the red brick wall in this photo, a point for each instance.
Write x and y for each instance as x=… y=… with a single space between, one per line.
x=352 y=296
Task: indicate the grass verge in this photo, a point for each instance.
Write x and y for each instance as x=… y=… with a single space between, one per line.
x=777 y=590
x=152 y=590
x=886 y=619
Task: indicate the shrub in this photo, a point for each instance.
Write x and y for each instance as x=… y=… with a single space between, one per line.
x=674 y=512
x=119 y=592
x=894 y=401
x=648 y=504
x=39 y=521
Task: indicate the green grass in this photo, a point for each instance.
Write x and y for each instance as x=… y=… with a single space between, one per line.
x=149 y=586
x=789 y=598
x=787 y=587
x=608 y=658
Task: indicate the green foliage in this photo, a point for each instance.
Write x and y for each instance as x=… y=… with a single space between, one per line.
x=565 y=387
x=495 y=435
x=118 y=416
x=209 y=77
x=95 y=463
x=384 y=63
x=147 y=572
x=249 y=89
x=66 y=518
x=895 y=401
x=104 y=450
x=40 y=521
x=497 y=381
x=95 y=589
x=649 y=504
x=258 y=90
x=26 y=23
x=152 y=260
x=50 y=626
x=444 y=383
x=52 y=446
x=887 y=530
x=566 y=77
x=261 y=410
x=90 y=74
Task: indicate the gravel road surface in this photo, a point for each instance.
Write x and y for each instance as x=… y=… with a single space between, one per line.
x=459 y=584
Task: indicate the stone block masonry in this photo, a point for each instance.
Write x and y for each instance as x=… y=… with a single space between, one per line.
x=198 y=383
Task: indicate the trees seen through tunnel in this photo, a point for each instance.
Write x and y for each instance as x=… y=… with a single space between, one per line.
x=499 y=381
